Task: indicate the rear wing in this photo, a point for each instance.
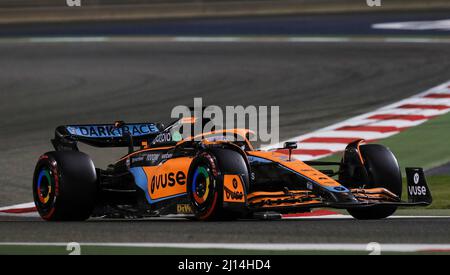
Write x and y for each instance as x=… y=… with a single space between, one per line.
x=105 y=135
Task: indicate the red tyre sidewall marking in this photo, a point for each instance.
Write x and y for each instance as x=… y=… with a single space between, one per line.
x=211 y=209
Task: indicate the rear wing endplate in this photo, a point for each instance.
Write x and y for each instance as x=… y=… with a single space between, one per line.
x=418 y=190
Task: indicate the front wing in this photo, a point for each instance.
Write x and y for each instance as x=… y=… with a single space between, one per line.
x=294 y=201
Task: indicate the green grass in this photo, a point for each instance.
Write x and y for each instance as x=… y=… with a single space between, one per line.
x=427 y=146
x=440 y=189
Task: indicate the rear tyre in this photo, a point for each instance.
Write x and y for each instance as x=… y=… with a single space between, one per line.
x=65 y=186
x=203 y=187
x=383 y=171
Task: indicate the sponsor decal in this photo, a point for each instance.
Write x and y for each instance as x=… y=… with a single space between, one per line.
x=137 y=159
x=166 y=156
x=164 y=180
x=235 y=184
x=233 y=189
x=417 y=190
x=167 y=179
x=184 y=209
x=109 y=131
x=152 y=157
x=163 y=138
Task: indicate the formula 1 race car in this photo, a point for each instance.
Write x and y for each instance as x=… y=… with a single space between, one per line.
x=212 y=176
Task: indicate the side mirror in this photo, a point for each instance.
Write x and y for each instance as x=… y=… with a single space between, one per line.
x=290 y=145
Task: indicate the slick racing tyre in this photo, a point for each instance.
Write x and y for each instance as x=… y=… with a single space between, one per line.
x=383 y=171
x=65 y=186
x=205 y=185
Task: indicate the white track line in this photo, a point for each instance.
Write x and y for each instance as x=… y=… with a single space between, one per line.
x=260 y=246
x=21 y=215
x=348 y=217
x=67 y=39
x=224 y=39
x=440 y=25
x=34 y=214
x=18 y=206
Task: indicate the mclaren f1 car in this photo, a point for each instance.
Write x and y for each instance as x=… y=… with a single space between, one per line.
x=216 y=175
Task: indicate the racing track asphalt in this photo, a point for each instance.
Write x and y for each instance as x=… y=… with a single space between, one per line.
x=413 y=230
x=43 y=85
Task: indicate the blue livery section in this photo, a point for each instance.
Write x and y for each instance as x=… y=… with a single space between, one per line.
x=140 y=178
x=109 y=131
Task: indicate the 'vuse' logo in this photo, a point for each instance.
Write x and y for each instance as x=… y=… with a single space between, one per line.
x=164 y=180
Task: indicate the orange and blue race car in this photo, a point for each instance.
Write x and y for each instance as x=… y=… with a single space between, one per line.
x=212 y=176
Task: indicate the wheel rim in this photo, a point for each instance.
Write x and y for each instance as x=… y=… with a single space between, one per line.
x=45 y=191
x=44 y=186
x=201 y=185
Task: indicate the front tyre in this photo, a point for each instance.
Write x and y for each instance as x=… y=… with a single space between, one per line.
x=205 y=183
x=65 y=186
x=383 y=171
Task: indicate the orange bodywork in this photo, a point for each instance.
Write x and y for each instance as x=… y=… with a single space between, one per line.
x=292 y=204
x=276 y=199
x=168 y=179
x=233 y=189
x=297 y=166
x=241 y=132
x=374 y=194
